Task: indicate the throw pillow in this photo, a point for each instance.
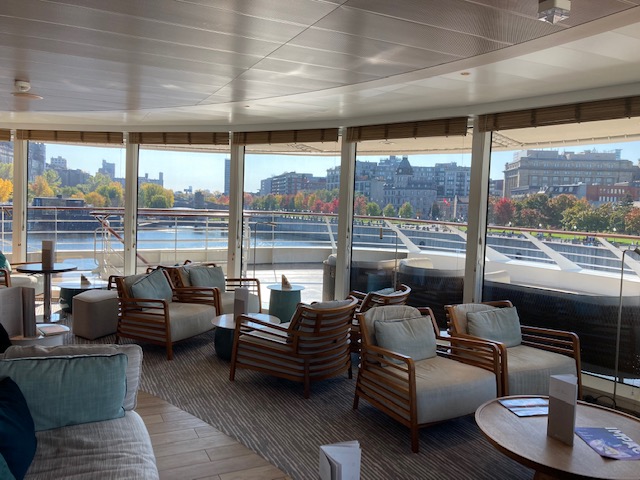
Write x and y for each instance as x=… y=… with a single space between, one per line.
x=413 y=337
x=155 y=285
x=63 y=391
x=5 y=473
x=499 y=324
x=212 y=277
x=4 y=263
x=17 y=434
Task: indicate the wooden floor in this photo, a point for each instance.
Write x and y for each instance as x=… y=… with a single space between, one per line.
x=188 y=448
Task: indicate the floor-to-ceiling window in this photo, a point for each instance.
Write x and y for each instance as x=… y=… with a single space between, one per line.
x=6 y=191
x=183 y=201
x=75 y=198
x=563 y=209
x=290 y=208
x=411 y=200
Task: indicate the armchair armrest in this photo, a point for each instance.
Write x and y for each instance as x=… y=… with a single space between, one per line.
x=558 y=341
x=151 y=306
x=5 y=278
x=208 y=295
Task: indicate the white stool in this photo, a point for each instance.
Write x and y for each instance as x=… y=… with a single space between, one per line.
x=95 y=313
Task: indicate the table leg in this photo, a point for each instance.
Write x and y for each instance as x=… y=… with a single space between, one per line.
x=47 y=298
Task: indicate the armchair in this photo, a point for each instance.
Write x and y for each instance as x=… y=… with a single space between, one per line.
x=417 y=377
x=151 y=311
x=313 y=346
x=528 y=355
x=370 y=300
x=5 y=278
x=209 y=277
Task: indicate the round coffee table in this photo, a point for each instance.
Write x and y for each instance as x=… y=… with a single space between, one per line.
x=525 y=440
x=225 y=326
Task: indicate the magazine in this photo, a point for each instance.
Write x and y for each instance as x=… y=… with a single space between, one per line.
x=51 y=329
x=610 y=442
x=527 y=407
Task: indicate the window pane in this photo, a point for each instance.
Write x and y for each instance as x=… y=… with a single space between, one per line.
x=555 y=247
x=6 y=196
x=183 y=205
x=290 y=216
x=411 y=210
x=75 y=196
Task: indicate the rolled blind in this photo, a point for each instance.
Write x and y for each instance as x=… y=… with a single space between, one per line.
x=180 y=138
x=444 y=127
x=286 y=136
x=562 y=114
x=5 y=135
x=69 y=136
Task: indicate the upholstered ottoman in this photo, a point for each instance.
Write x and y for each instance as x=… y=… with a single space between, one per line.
x=95 y=313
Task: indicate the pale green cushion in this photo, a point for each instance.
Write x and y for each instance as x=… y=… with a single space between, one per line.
x=201 y=276
x=63 y=391
x=155 y=285
x=499 y=324
x=413 y=337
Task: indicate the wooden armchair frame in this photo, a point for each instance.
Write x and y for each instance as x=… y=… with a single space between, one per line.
x=203 y=294
x=374 y=299
x=313 y=347
x=5 y=277
x=551 y=340
x=148 y=319
x=386 y=375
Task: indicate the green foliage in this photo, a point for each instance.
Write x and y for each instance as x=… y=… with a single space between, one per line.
x=405 y=211
x=148 y=193
x=373 y=209
x=389 y=211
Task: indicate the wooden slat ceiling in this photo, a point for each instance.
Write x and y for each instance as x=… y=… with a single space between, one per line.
x=263 y=64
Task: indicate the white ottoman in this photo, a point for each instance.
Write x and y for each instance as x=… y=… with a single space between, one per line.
x=95 y=313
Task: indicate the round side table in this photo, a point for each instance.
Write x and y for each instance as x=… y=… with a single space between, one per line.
x=283 y=301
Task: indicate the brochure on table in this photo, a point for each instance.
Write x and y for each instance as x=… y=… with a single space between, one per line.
x=340 y=461
x=563 y=398
x=610 y=442
x=526 y=407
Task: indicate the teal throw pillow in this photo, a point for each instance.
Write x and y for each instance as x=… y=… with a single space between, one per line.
x=63 y=391
x=413 y=337
x=499 y=324
x=212 y=277
x=155 y=285
x=17 y=435
x=4 y=263
x=5 y=473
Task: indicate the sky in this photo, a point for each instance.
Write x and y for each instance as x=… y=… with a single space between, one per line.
x=206 y=171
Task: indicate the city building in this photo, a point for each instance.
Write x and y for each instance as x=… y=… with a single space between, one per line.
x=535 y=170
x=290 y=183
x=108 y=169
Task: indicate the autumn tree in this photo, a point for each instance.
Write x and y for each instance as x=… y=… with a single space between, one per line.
x=360 y=205
x=40 y=188
x=113 y=193
x=6 y=190
x=95 y=199
x=632 y=222
x=149 y=193
x=503 y=211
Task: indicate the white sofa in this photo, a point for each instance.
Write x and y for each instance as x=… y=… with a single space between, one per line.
x=115 y=448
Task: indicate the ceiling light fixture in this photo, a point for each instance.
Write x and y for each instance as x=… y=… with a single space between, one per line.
x=553 y=11
x=22 y=91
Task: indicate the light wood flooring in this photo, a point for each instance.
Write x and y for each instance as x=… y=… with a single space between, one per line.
x=188 y=448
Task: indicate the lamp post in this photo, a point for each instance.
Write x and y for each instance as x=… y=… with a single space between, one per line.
x=618 y=328
x=255 y=241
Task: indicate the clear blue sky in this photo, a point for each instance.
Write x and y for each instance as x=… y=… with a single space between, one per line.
x=206 y=171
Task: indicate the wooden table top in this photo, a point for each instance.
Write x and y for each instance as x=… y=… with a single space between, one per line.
x=525 y=440
x=227 y=320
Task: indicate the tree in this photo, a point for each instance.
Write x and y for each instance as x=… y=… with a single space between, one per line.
x=6 y=171
x=149 y=191
x=160 y=201
x=360 y=205
x=6 y=190
x=405 y=211
x=632 y=222
x=373 y=209
x=95 y=199
x=435 y=211
x=53 y=179
x=389 y=211
x=503 y=211
x=40 y=188
x=113 y=193
x=556 y=208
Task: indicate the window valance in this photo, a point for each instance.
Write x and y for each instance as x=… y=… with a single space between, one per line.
x=286 y=136
x=444 y=127
x=180 y=138
x=69 y=136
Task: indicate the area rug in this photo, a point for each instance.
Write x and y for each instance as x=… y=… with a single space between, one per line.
x=271 y=417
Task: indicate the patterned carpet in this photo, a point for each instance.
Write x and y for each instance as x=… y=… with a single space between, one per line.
x=271 y=417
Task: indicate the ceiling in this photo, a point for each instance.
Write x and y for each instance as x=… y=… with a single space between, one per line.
x=237 y=65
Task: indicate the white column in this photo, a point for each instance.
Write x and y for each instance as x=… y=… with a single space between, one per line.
x=345 y=217
x=236 y=201
x=130 y=207
x=477 y=217
x=19 y=223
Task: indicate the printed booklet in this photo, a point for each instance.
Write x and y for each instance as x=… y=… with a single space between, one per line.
x=526 y=407
x=610 y=442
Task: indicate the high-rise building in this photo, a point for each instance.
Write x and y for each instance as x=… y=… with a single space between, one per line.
x=108 y=169
x=36 y=159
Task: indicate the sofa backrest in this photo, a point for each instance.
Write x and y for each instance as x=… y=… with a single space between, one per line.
x=132 y=351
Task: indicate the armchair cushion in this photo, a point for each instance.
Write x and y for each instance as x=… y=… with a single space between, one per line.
x=530 y=369
x=227 y=300
x=17 y=434
x=413 y=337
x=498 y=324
x=202 y=276
x=154 y=285
x=101 y=398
